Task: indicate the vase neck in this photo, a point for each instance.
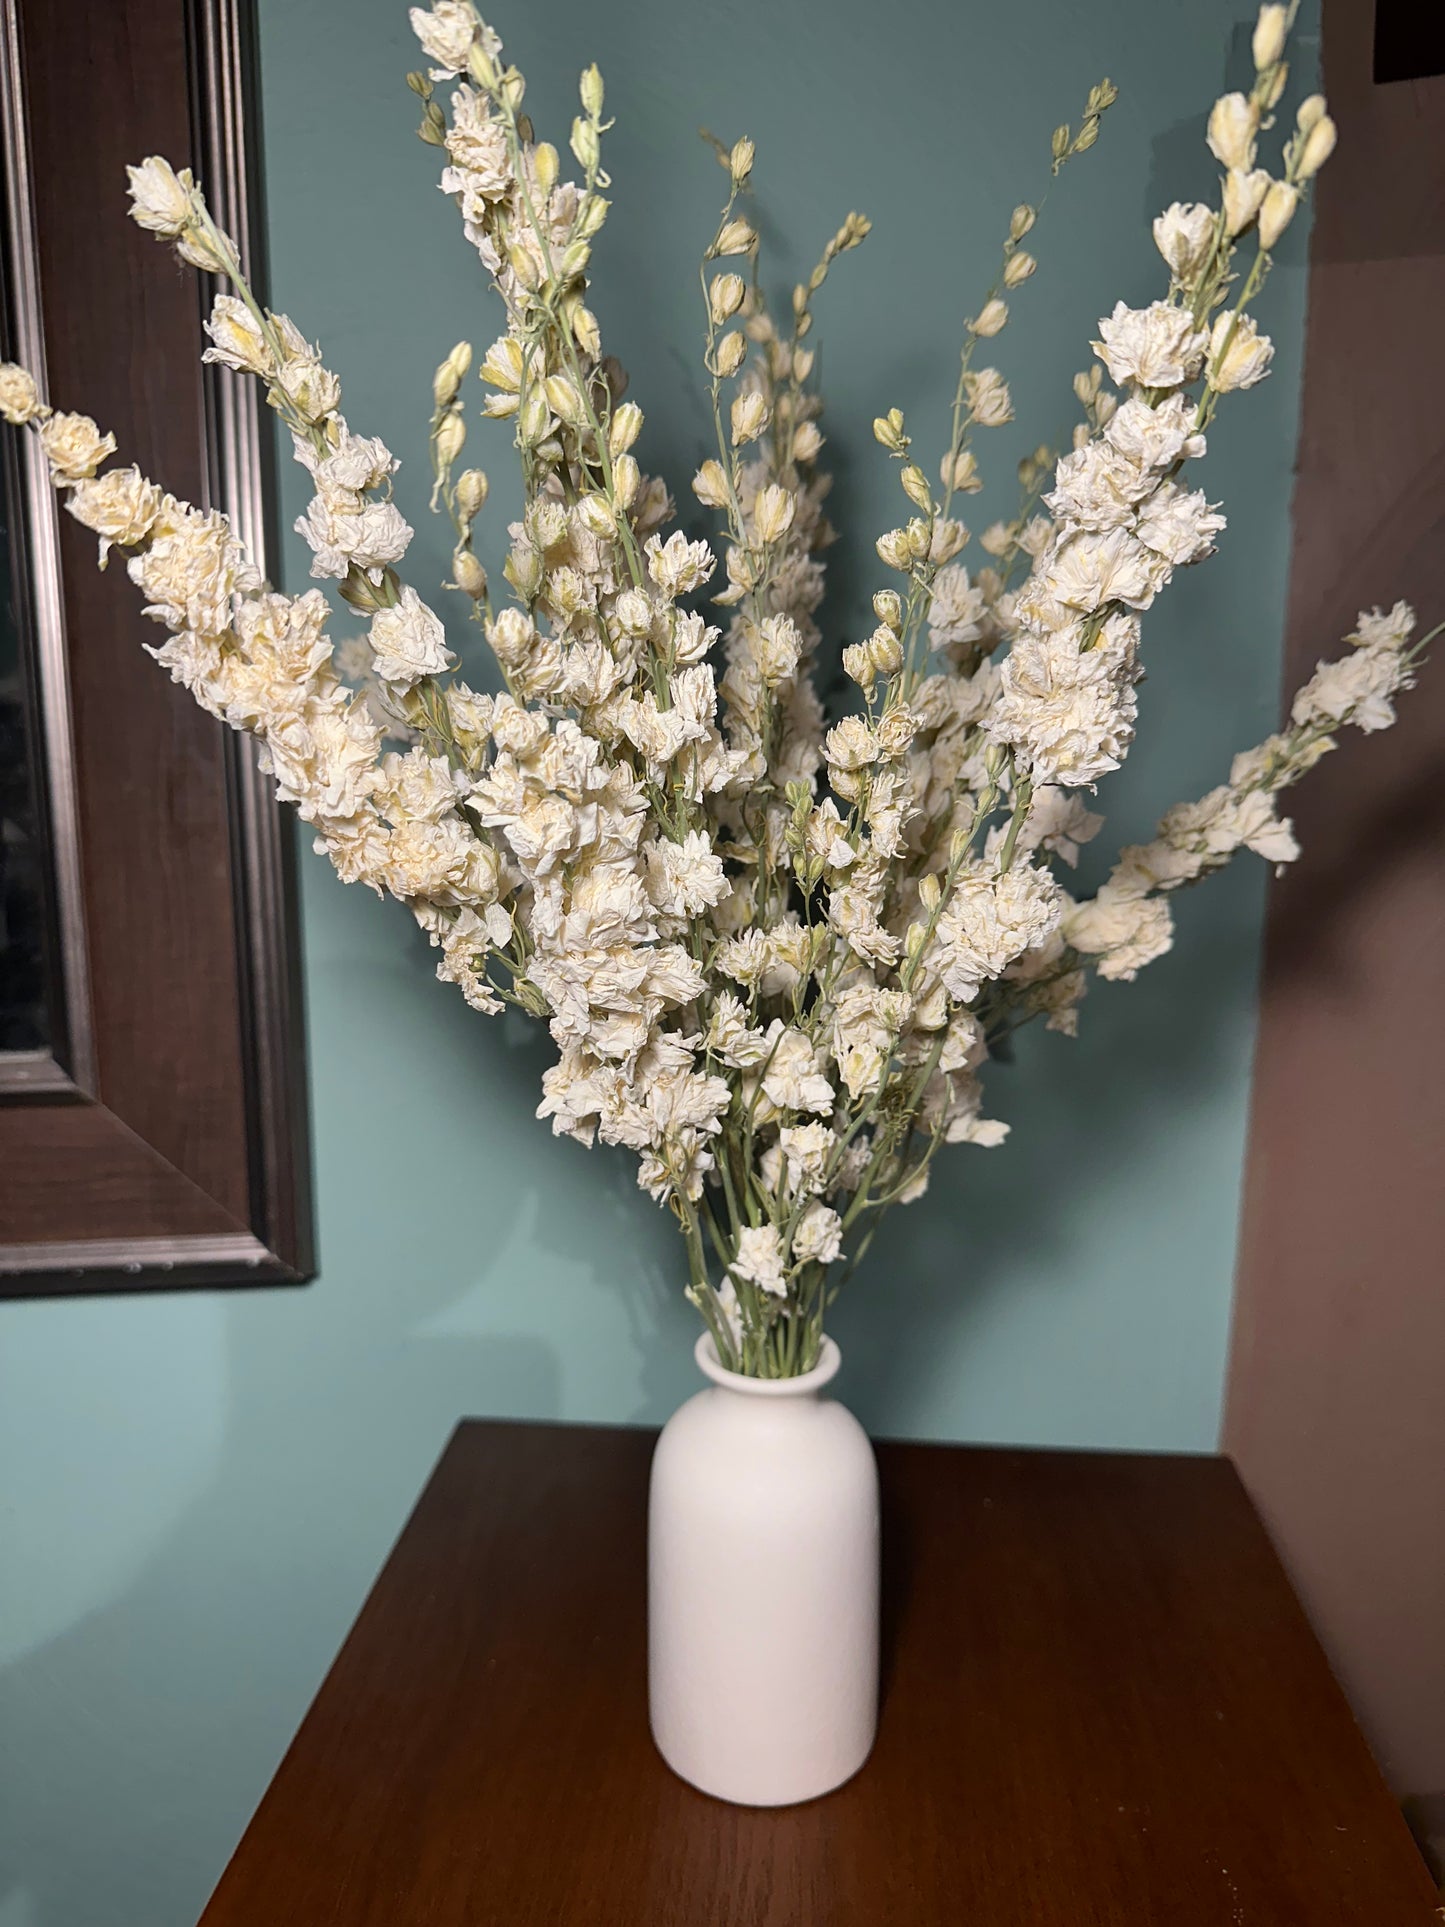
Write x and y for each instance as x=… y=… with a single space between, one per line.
x=805 y=1385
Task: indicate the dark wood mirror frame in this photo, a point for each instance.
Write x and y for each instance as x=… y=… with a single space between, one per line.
x=163 y=1141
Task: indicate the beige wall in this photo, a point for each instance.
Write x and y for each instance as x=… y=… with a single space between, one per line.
x=1336 y=1406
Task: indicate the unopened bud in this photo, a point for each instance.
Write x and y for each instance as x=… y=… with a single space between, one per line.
x=710 y=485
x=469 y=575
x=1276 y=212
x=564 y=400
x=1021 y=221
x=884 y=650
x=773 y=513
x=734 y=237
x=450 y=436
x=858 y=665
x=624 y=428
x=591 y=91
x=960 y=473
x=749 y=418
x=915 y=487
x=740 y=161
x=626 y=480
x=1018 y=268
x=888 y=607
x=990 y=318
x=471 y=493
x=1269 y=36
x=546 y=166
x=888 y=430
x=725 y=296
x=1319 y=144
x=730 y=354
x=448 y=378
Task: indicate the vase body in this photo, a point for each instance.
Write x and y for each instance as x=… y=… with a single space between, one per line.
x=763 y=1587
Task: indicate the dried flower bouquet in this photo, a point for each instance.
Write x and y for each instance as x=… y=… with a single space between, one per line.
x=773 y=951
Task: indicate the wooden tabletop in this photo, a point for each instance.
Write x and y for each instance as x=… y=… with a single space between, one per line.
x=1102 y=1704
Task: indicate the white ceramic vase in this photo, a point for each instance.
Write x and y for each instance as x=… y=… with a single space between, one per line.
x=763 y=1587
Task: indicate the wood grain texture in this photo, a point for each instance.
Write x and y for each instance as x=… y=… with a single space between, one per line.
x=193 y=1129
x=1102 y=1705
x=1335 y=1414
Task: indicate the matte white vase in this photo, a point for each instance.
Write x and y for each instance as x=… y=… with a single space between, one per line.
x=763 y=1587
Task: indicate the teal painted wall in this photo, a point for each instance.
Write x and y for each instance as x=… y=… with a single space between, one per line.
x=198 y=1489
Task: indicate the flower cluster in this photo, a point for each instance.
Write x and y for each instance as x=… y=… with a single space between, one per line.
x=773 y=948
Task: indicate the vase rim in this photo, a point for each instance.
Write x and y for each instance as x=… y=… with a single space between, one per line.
x=711 y=1366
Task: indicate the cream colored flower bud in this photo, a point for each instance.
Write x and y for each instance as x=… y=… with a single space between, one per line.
x=481 y=66
x=574 y=260
x=858 y=665
x=211 y=255
x=1243 y=197
x=1319 y=144
x=585 y=330
x=735 y=237
x=807 y=442
x=991 y=318
x=893 y=549
x=564 y=399
x=624 y=428
x=524 y=266
x=524 y=571
x=730 y=354
x=1184 y=235
x=1020 y=221
x=885 y=652
x=1018 y=268
x=888 y=607
x=1276 y=212
x=449 y=439
x=595 y=514
x=1270 y=32
x=449 y=374
x=626 y=480
x=471 y=493
x=710 y=485
x=1310 y=110
x=888 y=431
x=585 y=145
x=591 y=92
x=725 y=297
x=1233 y=125
x=546 y=166
x=546 y=523
x=915 y=487
x=469 y=575
x=534 y=418
x=591 y=216
x=740 y=161
x=920 y=538
x=749 y=418
x=1274 y=87
x=773 y=513
x=632 y=613
x=960 y=473
x=930 y=892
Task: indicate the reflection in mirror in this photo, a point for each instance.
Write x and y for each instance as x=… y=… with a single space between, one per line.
x=28 y=980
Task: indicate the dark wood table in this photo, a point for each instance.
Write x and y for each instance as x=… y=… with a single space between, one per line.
x=1102 y=1705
